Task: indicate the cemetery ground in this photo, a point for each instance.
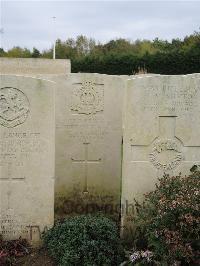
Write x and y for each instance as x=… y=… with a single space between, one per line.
x=166 y=232
x=36 y=257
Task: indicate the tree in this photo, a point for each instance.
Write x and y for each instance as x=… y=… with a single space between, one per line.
x=36 y=53
x=84 y=45
x=2 y=52
x=19 y=52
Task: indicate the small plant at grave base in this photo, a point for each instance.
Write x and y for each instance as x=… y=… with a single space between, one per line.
x=84 y=240
x=11 y=250
x=139 y=258
x=168 y=223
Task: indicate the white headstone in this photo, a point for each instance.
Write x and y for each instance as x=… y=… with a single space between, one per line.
x=27 y=154
x=34 y=66
x=161 y=131
x=89 y=136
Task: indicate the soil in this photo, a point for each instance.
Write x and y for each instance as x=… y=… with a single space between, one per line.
x=35 y=258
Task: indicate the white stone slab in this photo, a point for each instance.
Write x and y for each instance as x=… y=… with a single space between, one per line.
x=161 y=131
x=89 y=136
x=27 y=154
x=34 y=66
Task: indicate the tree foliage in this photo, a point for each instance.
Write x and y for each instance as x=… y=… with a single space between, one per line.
x=123 y=56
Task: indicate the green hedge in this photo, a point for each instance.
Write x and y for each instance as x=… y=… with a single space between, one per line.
x=170 y=63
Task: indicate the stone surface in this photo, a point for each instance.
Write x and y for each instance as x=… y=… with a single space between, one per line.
x=89 y=137
x=27 y=154
x=161 y=131
x=34 y=66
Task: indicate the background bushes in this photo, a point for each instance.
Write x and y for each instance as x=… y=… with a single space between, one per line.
x=123 y=57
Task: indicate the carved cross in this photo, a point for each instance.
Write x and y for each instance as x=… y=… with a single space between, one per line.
x=166 y=152
x=86 y=162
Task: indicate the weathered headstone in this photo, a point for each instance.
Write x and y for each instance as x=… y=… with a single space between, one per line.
x=27 y=154
x=34 y=66
x=89 y=138
x=161 y=132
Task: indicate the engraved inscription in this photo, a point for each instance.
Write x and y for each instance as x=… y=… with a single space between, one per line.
x=14 y=107
x=166 y=155
x=89 y=128
x=87 y=98
x=16 y=149
x=169 y=98
x=12 y=227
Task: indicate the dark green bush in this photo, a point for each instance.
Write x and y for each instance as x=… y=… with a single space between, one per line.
x=169 y=63
x=84 y=240
x=168 y=222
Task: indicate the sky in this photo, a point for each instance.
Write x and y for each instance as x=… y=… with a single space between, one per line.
x=30 y=23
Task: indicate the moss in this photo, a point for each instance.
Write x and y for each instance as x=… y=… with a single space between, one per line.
x=75 y=202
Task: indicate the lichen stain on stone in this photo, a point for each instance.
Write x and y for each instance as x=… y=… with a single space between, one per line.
x=75 y=202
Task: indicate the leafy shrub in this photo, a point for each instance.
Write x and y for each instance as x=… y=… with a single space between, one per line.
x=167 y=222
x=84 y=240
